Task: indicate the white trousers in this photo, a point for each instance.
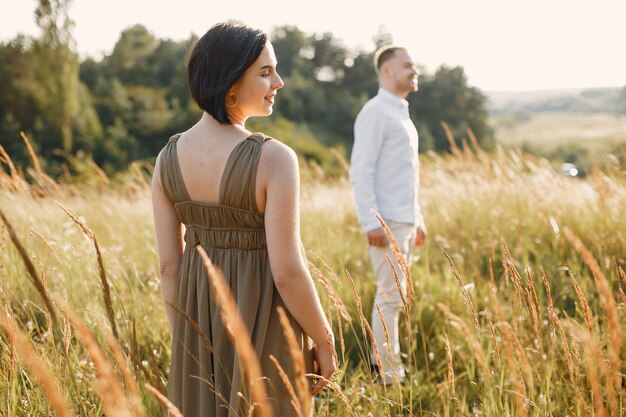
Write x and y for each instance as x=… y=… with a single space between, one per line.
x=389 y=300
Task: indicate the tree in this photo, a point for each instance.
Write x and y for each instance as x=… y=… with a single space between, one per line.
x=445 y=96
x=17 y=106
x=292 y=49
x=55 y=77
x=130 y=60
x=41 y=91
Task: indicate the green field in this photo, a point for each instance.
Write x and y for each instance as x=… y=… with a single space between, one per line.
x=485 y=334
x=585 y=137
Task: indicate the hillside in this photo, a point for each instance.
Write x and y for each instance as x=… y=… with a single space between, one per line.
x=608 y=99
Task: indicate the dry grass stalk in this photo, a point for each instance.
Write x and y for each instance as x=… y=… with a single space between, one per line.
x=5 y=158
x=398 y=255
x=67 y=175
x=283 y=376
x=535 y=305
x=593 y=359
x=295 y=351
x=583 y=302
x=455 y=150
x=332 y=294
x=405 y=304
x=522 y=291
x=30 y=268
x=533 y=293
x=608 y=304
x=140 y=176
x=35 y=362
x=568 y=355
x=336 y=389
x=551 y=313
x=467 y=151
x=129 y=380
x=496 y=345
x=471 y=338
x=496 y=304
x=328 y=269
x=171 y=408
x=482 y=156
x=134 y=356
x=385 y=330
x=156 y=372
x=365 y=327
x=466 y=297
x=492 y=279
x=509 y=267
x=106 y=292
x=511 y=337
x=99 y=171
x=196 y=328
x=45 y=288
x=243 y=345
x=450 y=365
x=387 y=341
x=32 y=154
x=357 y=300
x=12 y=361
x=520 y=397
x=341 y=339
x=67 y=332
x=622 y=274
x=379 y=361
x=45 y=242
x=341 y=158
x=107 y=384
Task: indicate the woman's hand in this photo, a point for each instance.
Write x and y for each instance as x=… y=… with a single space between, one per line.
x=325 y=357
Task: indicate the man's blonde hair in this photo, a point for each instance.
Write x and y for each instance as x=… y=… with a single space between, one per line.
x=384 y=54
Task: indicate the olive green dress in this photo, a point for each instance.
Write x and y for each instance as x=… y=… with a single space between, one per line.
x=210 y=381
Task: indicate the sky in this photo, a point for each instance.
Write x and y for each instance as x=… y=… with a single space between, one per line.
x=503 y=45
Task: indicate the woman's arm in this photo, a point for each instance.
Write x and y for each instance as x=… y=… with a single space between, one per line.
x=289 y=268
x=169 y=237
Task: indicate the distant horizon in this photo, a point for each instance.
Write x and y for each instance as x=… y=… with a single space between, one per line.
x=559 y=89
x=502 y=46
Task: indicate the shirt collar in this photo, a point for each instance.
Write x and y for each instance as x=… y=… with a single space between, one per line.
x=392 y=98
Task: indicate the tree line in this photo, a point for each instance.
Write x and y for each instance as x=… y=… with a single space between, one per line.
x=123 y=106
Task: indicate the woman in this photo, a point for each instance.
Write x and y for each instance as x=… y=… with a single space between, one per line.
x=237 y=195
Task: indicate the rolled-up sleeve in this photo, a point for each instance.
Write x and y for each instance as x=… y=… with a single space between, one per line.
x=368 y=140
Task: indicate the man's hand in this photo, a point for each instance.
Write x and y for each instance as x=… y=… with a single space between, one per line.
x=420 y=236
x=377 y=237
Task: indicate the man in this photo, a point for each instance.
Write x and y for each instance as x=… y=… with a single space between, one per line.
x=385 y=176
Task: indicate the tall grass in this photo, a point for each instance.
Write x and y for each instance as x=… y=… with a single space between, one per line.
x=521 y=314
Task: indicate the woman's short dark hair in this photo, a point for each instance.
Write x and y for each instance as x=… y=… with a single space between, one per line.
x=217 y=60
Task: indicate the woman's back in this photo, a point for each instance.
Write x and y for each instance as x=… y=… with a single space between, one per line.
x=202 y=156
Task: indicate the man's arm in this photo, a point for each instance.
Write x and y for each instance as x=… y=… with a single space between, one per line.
x=368 y=142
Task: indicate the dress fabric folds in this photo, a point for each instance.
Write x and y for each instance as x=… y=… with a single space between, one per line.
x=208 y=381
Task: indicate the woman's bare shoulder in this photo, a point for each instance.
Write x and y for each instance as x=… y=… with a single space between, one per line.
x=276 y=154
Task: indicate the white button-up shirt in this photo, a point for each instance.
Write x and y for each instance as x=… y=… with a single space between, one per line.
x=384 y=169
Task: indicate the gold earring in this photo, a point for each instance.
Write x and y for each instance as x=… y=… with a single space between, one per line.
x=236 y=101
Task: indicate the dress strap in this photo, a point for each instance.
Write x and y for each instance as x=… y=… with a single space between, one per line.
x=171 y=177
